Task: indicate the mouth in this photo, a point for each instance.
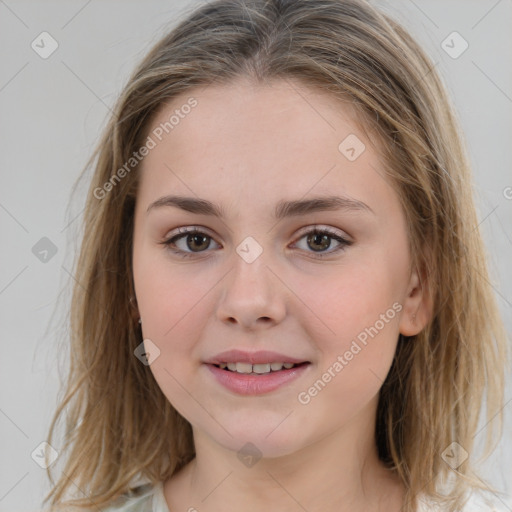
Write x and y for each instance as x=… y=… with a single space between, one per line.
x=256 y=379
x=258 y=369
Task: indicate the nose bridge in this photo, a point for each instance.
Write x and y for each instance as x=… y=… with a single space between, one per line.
x=251 y=290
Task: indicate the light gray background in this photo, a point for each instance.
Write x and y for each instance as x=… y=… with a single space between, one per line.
x=52 y=111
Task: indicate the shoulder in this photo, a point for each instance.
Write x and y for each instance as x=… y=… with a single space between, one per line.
x=142 y=498
x=477 y=502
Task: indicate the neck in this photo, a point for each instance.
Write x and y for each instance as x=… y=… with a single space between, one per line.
x=339 y=472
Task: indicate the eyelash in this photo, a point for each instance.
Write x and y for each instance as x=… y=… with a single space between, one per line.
x=182 y=232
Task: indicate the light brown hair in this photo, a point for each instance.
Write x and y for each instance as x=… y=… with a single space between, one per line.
x=119 y=424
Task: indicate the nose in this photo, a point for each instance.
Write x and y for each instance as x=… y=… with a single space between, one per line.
x=252 y=295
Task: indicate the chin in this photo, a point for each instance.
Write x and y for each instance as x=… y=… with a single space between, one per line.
x=259 y=447
x=269 y=439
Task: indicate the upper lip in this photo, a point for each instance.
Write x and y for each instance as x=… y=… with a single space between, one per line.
x=260 y=357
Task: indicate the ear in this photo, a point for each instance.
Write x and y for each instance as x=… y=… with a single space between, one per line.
x=417 y=306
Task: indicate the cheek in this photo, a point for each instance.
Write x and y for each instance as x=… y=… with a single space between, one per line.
x=172 y=305
x=355 y=361
x=349 y=299
x=169 y=301
x=166 y=303
x=359 y=308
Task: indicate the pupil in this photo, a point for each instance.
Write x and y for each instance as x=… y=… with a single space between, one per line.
x=198 y=237
x=318 y=238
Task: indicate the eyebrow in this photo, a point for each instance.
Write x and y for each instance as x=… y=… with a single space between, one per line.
x=282 y=210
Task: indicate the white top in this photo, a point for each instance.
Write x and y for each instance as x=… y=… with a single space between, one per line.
x=475 y=503
x=144 y=498
x=148 y=498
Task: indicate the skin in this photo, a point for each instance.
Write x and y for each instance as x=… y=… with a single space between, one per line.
x=246 y=147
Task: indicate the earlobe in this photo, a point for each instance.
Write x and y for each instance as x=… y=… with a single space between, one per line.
x=417 y=307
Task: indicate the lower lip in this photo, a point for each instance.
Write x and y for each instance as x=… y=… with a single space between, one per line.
x=251 y=384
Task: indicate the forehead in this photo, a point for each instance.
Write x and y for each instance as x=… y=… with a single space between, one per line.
x=243 y=138
x=244 y=109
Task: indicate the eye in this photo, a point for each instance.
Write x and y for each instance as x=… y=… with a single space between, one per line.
x=321 y=238
x=194 y=241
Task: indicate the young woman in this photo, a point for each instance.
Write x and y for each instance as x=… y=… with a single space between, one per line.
x=282 y=297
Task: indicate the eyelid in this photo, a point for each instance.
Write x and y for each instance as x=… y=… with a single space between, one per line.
x=190 y=229
x=335 y=232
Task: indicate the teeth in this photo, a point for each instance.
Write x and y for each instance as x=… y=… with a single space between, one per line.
x=261 y=368
x=256 y=368
x=243 y=367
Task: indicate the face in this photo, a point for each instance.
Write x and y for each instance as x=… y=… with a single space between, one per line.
x=258 y=278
